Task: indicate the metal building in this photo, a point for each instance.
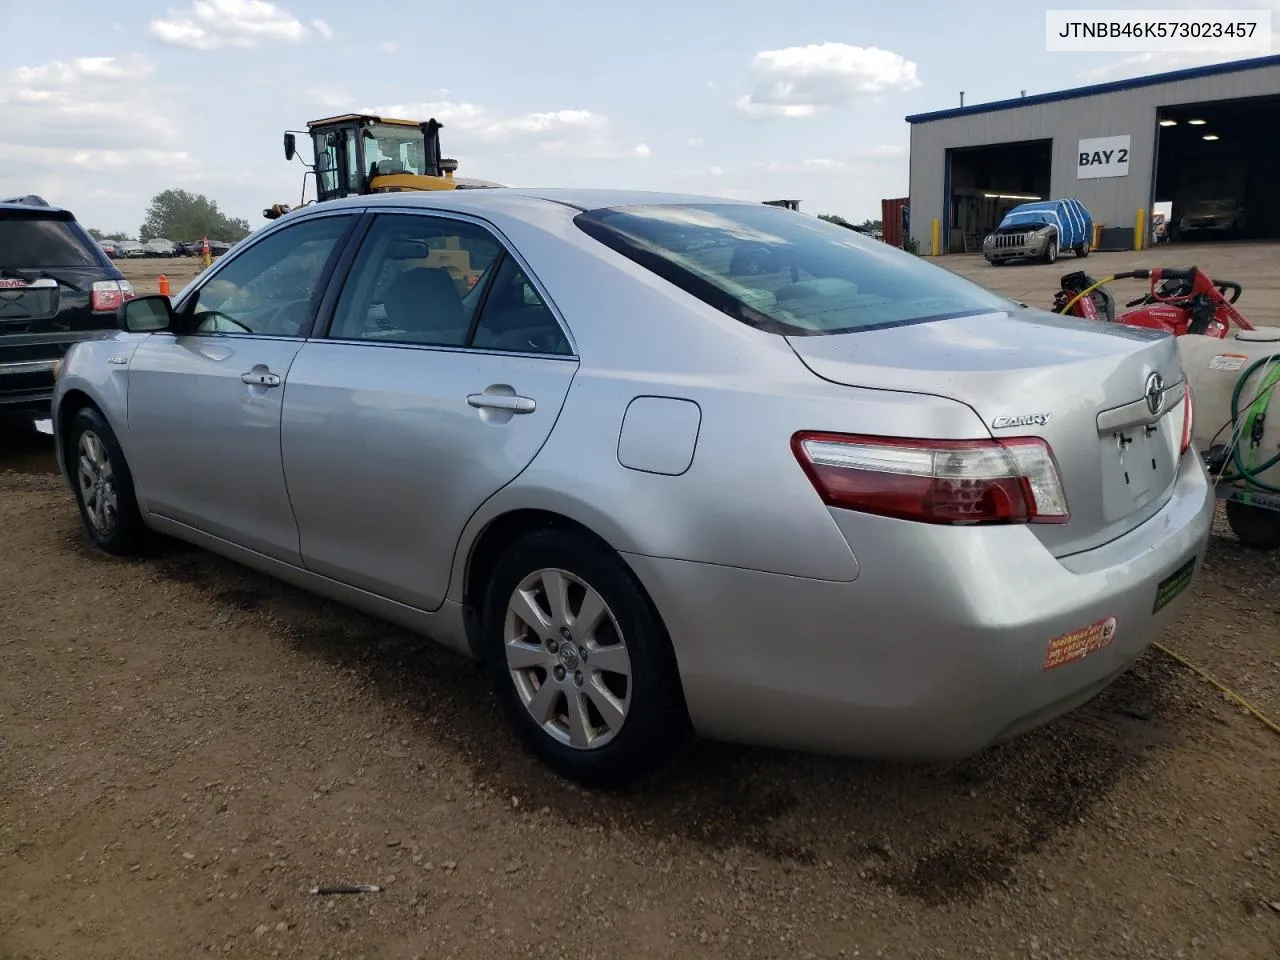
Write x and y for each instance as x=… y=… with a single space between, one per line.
x=1186 y=139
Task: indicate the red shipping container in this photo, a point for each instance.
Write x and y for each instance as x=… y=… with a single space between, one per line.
x=891 y=215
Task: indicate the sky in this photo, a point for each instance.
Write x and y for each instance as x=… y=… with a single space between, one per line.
x=752 y=99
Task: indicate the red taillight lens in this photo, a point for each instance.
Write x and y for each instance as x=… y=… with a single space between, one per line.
x=109 y=294
x=1014 y=480
x=1188 y=419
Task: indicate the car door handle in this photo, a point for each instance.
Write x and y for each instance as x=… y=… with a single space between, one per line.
x=258 y=378
x=498 y=401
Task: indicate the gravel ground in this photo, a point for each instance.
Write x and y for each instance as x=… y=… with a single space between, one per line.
x=187 y=747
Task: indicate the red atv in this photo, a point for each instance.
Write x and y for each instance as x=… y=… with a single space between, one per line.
x=1180 y=300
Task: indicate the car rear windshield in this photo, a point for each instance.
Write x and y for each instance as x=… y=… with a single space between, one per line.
x=784 y=271
x=38 y=243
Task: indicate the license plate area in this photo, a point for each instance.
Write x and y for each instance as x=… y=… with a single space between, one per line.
x=1139 y=463
x=1173 y=584
x=20 y=300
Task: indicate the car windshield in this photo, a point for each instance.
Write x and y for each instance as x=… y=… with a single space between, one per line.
x=39 y=243
x=1035 y=219
x=783 y=271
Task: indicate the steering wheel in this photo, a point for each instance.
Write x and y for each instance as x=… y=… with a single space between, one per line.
x=1169 y=289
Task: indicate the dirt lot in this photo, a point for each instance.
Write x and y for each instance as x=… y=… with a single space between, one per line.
x=186 y=748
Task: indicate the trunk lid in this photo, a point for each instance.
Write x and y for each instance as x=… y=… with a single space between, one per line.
x=1080 y=385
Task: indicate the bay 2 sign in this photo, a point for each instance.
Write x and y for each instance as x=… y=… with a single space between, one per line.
x=1102 y=157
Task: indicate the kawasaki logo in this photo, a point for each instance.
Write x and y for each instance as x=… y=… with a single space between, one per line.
x=1025 y=420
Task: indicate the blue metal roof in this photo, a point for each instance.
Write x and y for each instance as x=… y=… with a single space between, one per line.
x=1115 y=86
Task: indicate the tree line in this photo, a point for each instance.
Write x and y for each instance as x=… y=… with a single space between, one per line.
x=182 y=215
x=867 y=226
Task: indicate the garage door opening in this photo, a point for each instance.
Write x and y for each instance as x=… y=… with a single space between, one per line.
x=985 y=183
x=1215 y=164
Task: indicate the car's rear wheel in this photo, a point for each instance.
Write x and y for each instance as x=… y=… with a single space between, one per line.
x=103 y=485
x=1082 y=249
x=581 y=661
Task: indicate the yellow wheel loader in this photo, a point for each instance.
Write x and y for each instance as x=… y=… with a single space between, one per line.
x=358 y=153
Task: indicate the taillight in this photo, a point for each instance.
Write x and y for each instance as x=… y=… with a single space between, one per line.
x=1188 y=419
x=1013 y=480
x=109 y=294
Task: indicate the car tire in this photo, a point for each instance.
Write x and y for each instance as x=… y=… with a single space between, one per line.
x=1051 y=251
x=1082 y=249
x=103 y=485
x=612 y=716
x=1255 y=527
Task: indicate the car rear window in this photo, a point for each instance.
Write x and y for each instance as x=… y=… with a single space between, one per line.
x=783 y=271
x=37 y=243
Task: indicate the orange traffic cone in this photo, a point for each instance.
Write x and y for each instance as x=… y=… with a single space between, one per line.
x=164 y=285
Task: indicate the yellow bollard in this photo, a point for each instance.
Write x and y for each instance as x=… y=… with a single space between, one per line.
x=936 y=237
x=163 y=281
x=1140 y=230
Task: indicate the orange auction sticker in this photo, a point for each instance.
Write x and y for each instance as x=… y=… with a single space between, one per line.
x=1080 y=643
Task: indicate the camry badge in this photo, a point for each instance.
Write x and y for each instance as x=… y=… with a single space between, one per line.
x=1023 y=420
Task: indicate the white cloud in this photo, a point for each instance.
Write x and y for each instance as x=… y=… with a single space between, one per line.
x=213 y=24
x=801 y=81
x=86 y=103
x=388 y=46
x=888 y=153
x=579 y=134
x=693 y=142
x=90 y=132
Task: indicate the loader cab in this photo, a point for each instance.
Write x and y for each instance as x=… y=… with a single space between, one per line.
x=359 y=154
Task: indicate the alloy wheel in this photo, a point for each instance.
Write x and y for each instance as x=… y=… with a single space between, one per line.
x=97 y=483
x=568 y=659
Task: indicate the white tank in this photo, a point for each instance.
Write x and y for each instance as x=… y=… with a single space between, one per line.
x=1213 y=367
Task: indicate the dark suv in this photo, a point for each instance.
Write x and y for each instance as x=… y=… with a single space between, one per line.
x=57 y=286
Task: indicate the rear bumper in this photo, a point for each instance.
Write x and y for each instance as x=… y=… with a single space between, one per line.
x=26 y=386
x=936 y=650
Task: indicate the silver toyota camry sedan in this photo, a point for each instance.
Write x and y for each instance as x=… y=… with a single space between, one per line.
x=668 y=465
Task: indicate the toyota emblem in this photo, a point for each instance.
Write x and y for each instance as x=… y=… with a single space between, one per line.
x=1154 y=393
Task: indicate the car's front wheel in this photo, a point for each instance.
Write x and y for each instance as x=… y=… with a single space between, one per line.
x=1051 y=251
x=103 y=485
x=581 y=660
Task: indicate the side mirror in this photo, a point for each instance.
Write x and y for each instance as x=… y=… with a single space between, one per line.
x=290 y=146
x=150 y=314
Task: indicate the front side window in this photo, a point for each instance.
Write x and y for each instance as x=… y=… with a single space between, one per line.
x=784 y=272
x=270 y=289
x=416 y=279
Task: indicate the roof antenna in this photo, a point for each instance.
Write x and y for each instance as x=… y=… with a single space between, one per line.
x=962 y=98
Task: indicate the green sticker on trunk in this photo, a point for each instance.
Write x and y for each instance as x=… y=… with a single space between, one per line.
x=1174 y=584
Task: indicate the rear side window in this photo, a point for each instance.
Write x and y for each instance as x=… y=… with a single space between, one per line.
x=38 y=243
x=785 y=272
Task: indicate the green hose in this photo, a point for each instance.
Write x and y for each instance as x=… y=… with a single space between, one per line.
x=1257 y=409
